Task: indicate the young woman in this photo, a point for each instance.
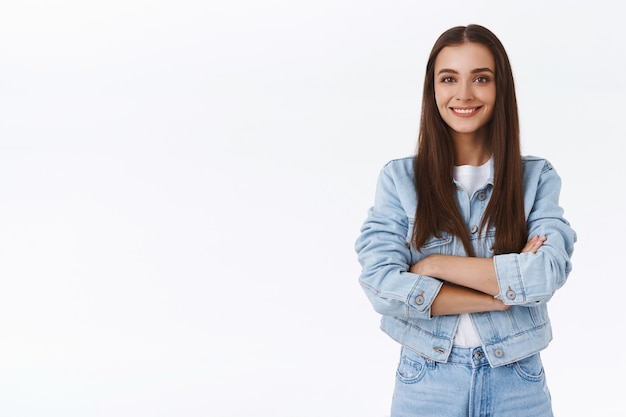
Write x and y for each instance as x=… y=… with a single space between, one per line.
x=466 y=243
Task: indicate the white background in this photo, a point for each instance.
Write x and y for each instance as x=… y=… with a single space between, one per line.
x=181 y=185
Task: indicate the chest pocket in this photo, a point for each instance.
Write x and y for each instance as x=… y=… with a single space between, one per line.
x=434 y=245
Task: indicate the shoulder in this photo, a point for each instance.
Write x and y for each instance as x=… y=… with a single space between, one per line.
x=537 y=164
x=539 y=173
x=400 y=167
x=396 y=181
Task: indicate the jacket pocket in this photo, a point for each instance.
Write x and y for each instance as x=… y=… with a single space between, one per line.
x=433 y=245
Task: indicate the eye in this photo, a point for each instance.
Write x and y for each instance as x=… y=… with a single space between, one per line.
x=482 y=79
x=447 y=80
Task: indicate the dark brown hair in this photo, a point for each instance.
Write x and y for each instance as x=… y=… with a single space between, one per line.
x=437 y=211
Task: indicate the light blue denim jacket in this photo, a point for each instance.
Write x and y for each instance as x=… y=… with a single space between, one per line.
x=527 y=281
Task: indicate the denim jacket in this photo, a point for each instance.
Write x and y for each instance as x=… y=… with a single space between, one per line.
x=526 y=280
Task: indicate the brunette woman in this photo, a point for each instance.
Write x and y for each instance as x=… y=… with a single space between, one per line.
x=466 y=243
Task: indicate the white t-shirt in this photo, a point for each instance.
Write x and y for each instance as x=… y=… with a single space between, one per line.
x=471 y=178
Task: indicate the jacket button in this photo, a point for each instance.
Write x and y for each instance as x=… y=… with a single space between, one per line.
x=498 y=353
x=474 y=229
x=419 y=300
x=481 y=196
x=510 y=294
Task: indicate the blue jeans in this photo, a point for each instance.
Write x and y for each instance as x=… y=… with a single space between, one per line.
x=466 y=386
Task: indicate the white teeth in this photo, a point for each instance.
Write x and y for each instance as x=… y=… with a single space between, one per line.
x=464 y=111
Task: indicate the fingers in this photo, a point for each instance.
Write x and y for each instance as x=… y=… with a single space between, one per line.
x=533 y=244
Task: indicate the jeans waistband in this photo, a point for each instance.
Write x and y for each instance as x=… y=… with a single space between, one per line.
x=474 y=357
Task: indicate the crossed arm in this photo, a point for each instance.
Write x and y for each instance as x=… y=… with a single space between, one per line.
x=470 y=284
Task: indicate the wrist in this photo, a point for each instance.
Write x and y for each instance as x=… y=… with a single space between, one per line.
x=498 y=304
x=428 y=266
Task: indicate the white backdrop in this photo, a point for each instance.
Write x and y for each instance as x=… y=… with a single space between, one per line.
x=182 y=182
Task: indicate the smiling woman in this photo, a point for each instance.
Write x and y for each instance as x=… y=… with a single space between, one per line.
x=466 y=243
x=465 y=92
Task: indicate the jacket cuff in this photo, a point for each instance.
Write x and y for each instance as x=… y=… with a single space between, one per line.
x=422 y=296
x=509 y=279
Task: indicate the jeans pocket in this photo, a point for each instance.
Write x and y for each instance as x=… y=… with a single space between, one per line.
x=411 y=368
x=530 y=369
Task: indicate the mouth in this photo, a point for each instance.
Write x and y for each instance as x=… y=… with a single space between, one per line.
x=465 y=111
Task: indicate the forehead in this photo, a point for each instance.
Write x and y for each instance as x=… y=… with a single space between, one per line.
x=467 y=56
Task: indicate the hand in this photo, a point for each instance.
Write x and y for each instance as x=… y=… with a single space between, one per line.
x=533 y=244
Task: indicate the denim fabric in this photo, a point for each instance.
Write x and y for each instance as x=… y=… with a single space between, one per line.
x=527 y=281
x=467 y=386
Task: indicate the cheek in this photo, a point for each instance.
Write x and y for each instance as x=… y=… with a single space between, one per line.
x=490 y=97
x=439 y=100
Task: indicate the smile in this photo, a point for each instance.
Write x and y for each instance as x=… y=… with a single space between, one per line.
x=465 y=111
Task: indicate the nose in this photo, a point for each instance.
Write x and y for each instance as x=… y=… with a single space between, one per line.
x=464 y=92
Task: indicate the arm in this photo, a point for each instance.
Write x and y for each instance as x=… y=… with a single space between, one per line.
x=475 y=279
x=384 y=254
x=526 y=279
x=475 y=273
x=453 y=299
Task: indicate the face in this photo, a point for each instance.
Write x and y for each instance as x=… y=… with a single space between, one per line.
x=465 y=89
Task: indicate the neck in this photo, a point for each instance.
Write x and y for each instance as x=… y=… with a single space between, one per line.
x=470 y=149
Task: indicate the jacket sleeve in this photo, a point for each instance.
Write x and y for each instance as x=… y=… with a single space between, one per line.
x=527 y=278
x=385 y=257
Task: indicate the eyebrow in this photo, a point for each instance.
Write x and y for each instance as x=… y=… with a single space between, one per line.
x=474 y=71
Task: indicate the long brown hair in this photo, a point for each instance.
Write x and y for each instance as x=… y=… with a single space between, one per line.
x=437 y=211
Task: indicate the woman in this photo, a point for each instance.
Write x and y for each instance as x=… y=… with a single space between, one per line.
x=466 y=243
